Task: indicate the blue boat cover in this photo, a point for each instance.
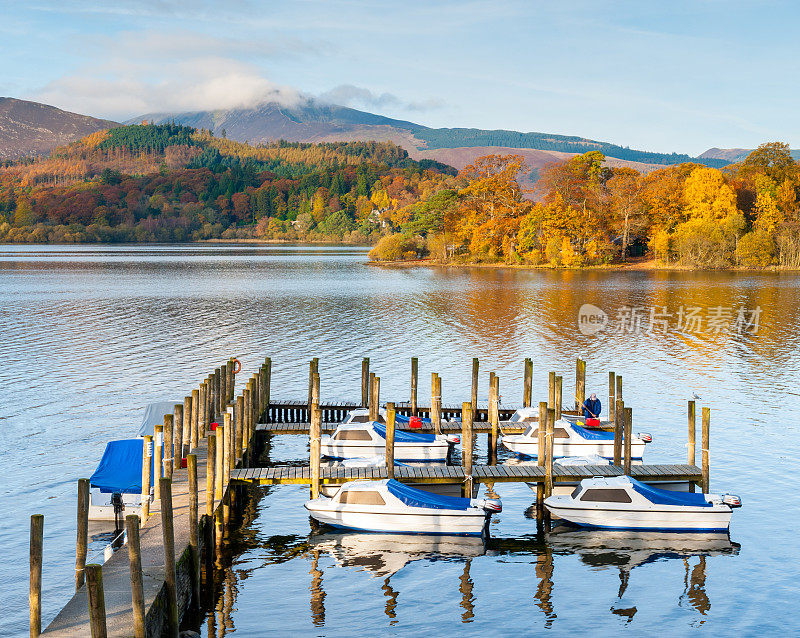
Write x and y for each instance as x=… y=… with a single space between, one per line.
x=592 y=435
x=154 y=415
x=405 y=420
x=120 y=469
x=400 y=436
x=669 y=497
x=420 y=498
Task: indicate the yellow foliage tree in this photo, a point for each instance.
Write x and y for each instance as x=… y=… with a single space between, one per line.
x=707 y=195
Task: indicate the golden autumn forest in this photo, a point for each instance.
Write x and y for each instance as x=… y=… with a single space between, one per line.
x=170 y=183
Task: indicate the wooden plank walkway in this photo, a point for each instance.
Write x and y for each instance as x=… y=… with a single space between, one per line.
x=447 y=428
x=453 y=474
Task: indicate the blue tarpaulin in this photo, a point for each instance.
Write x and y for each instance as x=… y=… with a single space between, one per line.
x=405 y=420
x=420 y=498
x=120 y=469
x=593 y=435
x=669 y=497
x=401 y=436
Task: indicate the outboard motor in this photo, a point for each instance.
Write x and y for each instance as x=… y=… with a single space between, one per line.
x=731 y=500
x=452 y=438
x=645 y=436
x=491 y=505
x=119 y=509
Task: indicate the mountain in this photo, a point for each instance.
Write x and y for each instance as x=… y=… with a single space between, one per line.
x=314 y=121
x=28 y=128
x=732 y=155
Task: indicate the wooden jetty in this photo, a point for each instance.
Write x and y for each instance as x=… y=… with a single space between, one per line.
x=175 y=543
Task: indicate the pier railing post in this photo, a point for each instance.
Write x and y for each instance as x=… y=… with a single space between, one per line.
x=474 y=393
x=704 y=444
x=365 y=382
x=390 y=440
x=137 y=585
x=541 y=453
x=157 y=460
x=97 y=601
x=619 y=422
x=314 y=445
x=169 y=444
x=211 y=467
x=628 y=426
x=170 y=576
x=580 y=382
x=147 y=471
x=414 y=382
x=612 y=396
x=35 y=581
x=527 y=384
x=558 y=397
x=548 y=453
x=194 y=532
x=178 y=444
x=466 y=446
x=82 y=542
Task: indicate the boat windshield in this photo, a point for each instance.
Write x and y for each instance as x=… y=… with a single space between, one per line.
x=352 y=435
x=361 y=497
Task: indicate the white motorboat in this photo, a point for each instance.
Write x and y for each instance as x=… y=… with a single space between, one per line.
x=358 y=440
x=115 y=488
x=392 y=507
x=622 y=502
x=570 y=439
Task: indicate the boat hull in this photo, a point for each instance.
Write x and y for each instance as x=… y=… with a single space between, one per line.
x=452 y=523
x=436 y=451
x=529 y=447
x=560 y=488
x=672 y=518
x=101 y=508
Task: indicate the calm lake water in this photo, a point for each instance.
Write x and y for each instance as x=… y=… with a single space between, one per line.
x=89 y=335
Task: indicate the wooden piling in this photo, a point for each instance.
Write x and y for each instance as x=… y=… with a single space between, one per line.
x=371 y=396
x=216 y=402
x=97 y=601
x=187 y=425
x=474 y=394
x=365 y=382
x=147 y=471
x=178 y=443
x=619 y=426
x=35 y=580
x=211 y=468
x=202 y=411
x=82 y=542
x=580 y=382
x=227 y=450
x=541 y=453
x=527 y=384
x=267 y=382
x=414 y=381
x=170 y=575
x=169 y=444
x=230 y=379
x=375 y=398
x=551 y=391
x=242 y=440
x=219 y=472
x=247 y=414
x=314 y=447
x=619 y=387
x=627 y=425
x=194 y=437
x=315 y=388
x=223 y=388
x=466 y=446
x=436 y=402
x=494 y=416
x=692 y=441
x=612 y=395
x=137 y=584
x=558 y=396
x=194 y=530
x=704 y=444
x=390 y=440
x=548 y=453
x=311 y=372
x=157 y=460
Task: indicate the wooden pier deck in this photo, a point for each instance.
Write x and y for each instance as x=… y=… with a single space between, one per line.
x=290 y=474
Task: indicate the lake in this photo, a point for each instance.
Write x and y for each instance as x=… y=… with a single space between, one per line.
x=90 y=334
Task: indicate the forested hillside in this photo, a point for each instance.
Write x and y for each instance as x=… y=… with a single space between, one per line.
x=173 y=183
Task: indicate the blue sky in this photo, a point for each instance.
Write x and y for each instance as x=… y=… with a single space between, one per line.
x=665 y=76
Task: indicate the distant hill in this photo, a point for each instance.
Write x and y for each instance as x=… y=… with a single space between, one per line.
x=732 y=155
x=28 y=128
x=314 y=121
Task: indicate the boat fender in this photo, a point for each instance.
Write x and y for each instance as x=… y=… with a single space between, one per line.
x=645 y=436
x=237 y=366
x=731 y=500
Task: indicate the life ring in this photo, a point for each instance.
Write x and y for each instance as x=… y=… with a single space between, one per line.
x=237 y=366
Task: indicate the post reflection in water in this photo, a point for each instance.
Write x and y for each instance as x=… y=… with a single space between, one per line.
x=317 y=592
x=466 y=593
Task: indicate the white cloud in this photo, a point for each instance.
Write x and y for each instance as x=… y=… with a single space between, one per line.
x=356 y=96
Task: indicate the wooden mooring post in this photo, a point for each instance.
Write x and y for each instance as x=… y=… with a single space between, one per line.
x=612 y=396
x=548 y=453
x=202 y=411
x=541 y=453
x=178 y=450
x=551 y=390
x=467 y=446
x=169 y=444
x=414 y=383
x=474 y=388
x=242 y=436
x=558 y=396
x=170 y=574
x=580 y=382
x=194 y=531
x=619 y=387
x=628 y=422
x=619 y=423
x=527 y=384
x=365 y=382
x=375 y=398
x=97 y=601
x=211 y=468
x=147 y=471
x=314 y=446
x=691 y=445
x=35 y=580
x=223 y=388
x=704 y=445
x=137 y=584
x=82 y=542
x=436 y=402
x=194 y=431
x=494 y=416
x=390 y=440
